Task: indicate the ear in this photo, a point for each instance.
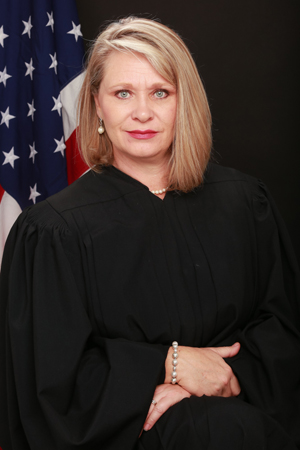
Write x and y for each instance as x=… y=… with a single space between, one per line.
x=97 y=104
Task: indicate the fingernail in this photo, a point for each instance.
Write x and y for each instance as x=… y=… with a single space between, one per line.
x=147 y=427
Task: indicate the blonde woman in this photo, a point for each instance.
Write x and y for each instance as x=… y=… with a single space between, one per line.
x=153 y=303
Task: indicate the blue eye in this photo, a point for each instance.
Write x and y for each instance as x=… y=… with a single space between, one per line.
x=161 y=94
x=123 y=94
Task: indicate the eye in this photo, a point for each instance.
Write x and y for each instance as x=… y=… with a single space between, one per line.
x=123 y=94
x=161 y=93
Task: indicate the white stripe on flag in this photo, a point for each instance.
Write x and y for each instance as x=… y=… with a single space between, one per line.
x=69 y=99
x=9 y=211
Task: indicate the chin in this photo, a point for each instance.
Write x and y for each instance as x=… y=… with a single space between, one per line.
x=151 y=154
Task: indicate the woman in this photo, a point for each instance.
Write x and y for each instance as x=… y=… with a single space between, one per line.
x=151 y=246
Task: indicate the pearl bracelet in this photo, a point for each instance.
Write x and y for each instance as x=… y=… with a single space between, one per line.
x=174 y=362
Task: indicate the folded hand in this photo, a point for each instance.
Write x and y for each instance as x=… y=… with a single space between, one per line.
x=203 y=371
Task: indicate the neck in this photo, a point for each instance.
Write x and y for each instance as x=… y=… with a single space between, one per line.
x=154 y=175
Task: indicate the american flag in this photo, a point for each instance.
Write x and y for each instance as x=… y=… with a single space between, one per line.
x=41 y=56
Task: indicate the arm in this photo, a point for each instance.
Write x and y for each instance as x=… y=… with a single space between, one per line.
x=66 y=385
x=268 y=364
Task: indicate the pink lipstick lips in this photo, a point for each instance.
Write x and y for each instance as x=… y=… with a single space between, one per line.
x=142 y=134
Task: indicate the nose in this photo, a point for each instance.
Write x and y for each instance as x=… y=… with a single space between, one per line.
x=142 y=110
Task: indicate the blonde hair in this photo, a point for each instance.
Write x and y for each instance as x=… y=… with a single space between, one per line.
x=169 y=56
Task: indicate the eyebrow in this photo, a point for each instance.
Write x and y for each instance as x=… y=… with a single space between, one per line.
x=153 y=86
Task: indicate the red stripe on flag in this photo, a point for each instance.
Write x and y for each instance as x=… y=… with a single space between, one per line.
x=1 y=195
x=75 y=165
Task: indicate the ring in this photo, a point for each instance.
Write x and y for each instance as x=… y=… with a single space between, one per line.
x=154 y=402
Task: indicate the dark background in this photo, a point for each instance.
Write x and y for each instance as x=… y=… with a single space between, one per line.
x=247 y=54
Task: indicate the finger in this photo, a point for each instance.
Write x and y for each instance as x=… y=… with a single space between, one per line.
x=166 y=395
x=232 y=389
x=157 y=397
x=157 y=412
x=235 y=386
x=227 y=352
x=150 y=411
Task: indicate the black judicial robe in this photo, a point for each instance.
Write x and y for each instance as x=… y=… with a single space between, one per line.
x=96 y=283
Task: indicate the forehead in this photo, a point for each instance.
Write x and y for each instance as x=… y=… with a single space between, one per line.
x=121 y=67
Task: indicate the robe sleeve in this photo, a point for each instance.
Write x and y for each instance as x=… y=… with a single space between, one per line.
x=63 y=386
x=268 y=364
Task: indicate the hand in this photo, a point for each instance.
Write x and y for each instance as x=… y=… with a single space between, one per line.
x=165 y=395
x=203 y=371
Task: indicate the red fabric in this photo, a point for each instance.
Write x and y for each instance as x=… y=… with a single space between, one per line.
x=75 y=165
x=1 y=195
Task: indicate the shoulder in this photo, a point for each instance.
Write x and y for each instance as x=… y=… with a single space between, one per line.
x=231 y=182
x=220 y=174
x=92 y=188
x=88 y=191
x=49 y=214
x=227 y=189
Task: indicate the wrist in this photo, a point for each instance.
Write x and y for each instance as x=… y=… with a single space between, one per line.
x=171 y=363
x=168 y=366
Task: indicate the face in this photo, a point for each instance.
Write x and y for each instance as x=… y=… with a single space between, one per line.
x=138 y=108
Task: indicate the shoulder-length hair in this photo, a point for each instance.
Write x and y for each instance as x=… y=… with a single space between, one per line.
x=169 y=56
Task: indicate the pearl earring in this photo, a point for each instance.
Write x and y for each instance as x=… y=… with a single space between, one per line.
x=101 y=127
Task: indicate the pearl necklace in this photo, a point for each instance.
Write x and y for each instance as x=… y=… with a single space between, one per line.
x=161 y=191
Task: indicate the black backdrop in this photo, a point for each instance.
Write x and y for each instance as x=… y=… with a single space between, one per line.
x=247 y=54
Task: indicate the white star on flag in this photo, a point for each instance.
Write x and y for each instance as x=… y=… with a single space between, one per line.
x=76 y=31
x=33 y=152
x=58 y=105
x=28 y=27
x=4 y=76
x=30 y=69
x=33 y=193
x=31 y=110
x=60 y=146
x=10 y=158
x=2 y=36
x=54 y=62
x=6 y=117
x=51 y=21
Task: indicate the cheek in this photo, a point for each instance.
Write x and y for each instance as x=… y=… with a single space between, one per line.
x=171 y=118
x=113 y=116
x=170 y=114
